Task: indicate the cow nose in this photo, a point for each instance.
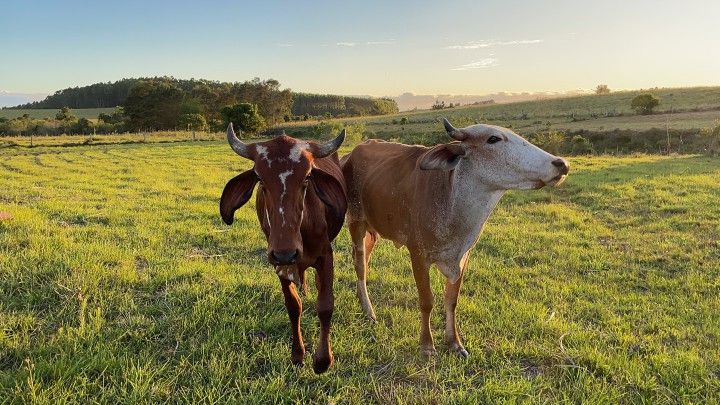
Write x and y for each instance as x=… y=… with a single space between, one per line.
x=562 y=165
x=283 y=257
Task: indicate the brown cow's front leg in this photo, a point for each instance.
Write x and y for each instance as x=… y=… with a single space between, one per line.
x=422 y=281
x=294 y=309
x=452 y=338
x=452 y=291
x=323 y=356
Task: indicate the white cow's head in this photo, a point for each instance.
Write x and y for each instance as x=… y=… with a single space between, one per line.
x=497 y=157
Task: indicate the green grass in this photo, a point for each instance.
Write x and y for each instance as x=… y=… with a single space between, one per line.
x=119 y=283
x=123 y=138
x=680 y=108
x=89 y=113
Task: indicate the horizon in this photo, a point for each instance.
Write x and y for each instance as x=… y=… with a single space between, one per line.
x=463 y=48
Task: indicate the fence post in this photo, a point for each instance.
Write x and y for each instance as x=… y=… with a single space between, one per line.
x=31 y=140
x=667 y=133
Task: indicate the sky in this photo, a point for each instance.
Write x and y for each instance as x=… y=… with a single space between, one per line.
x=364 y=48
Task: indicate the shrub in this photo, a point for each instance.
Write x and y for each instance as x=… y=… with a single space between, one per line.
x=355 y=133
x=581 y=145
x=550 y=141
x=244 y=116
x=711 y=139
x=194 y=122
x=644 y=103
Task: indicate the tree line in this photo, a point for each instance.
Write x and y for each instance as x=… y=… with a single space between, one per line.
x=166 y=103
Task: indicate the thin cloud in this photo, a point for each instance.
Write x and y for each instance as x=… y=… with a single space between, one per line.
x=347 y=44
x=284 y=45
x=481 y=64
x=487 y=44
x=388 y=42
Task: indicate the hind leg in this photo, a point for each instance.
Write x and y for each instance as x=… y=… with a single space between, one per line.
x=363 y=243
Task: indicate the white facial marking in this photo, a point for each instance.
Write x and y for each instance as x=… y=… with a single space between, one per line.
x=263 y=152
x=283 y=178
x=297 y=150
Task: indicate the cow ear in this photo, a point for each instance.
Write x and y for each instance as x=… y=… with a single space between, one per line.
x=236 y=193
x=332 y=193
x=442 y=157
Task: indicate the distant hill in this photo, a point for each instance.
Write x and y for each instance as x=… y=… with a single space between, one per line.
x=410 y=101
x=8 y=98
x=98 y=95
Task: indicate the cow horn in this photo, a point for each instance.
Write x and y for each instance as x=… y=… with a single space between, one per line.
x=452 y=131
x=237 y=145
x=329 y=147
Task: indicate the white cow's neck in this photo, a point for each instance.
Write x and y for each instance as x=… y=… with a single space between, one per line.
x=472 y=202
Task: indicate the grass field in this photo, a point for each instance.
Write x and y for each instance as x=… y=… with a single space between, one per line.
x=124 y=138
x=680 y=109
x=119 y=283
x=89 y=113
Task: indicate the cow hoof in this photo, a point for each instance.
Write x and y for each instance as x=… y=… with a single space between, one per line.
x=298 y=360
x=428 y=352
x=459 y=350
x=322 y=364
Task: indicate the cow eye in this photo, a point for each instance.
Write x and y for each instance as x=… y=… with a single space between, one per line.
x=493 y=139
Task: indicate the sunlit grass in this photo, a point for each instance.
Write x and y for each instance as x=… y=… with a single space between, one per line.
x=119 y=283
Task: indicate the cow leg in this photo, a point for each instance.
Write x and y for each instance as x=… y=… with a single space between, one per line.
x=323 y=356
x=361 y=240
x=452 y=291
x=422 y=281
x=303 y=280
x=294 y=309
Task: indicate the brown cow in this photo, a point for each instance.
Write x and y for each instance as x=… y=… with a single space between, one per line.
x=435 y=202
x=301 y=204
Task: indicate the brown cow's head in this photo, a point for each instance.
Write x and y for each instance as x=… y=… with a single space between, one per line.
x=284 y=168
x=497 y=157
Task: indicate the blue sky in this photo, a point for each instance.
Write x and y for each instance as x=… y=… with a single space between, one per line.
x=369 y=47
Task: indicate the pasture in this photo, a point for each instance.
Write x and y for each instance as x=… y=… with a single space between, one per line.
x=683 y=110
x=119 y=283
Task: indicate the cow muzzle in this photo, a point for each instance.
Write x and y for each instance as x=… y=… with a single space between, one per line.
x=563 y=168
x=283 y=257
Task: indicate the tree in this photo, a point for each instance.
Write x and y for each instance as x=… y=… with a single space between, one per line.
x=154 y=104
x=602 y=89
x=244 y=116
x=193 y=122
x=83 y=126
x=65 y=114
x=644 y=103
